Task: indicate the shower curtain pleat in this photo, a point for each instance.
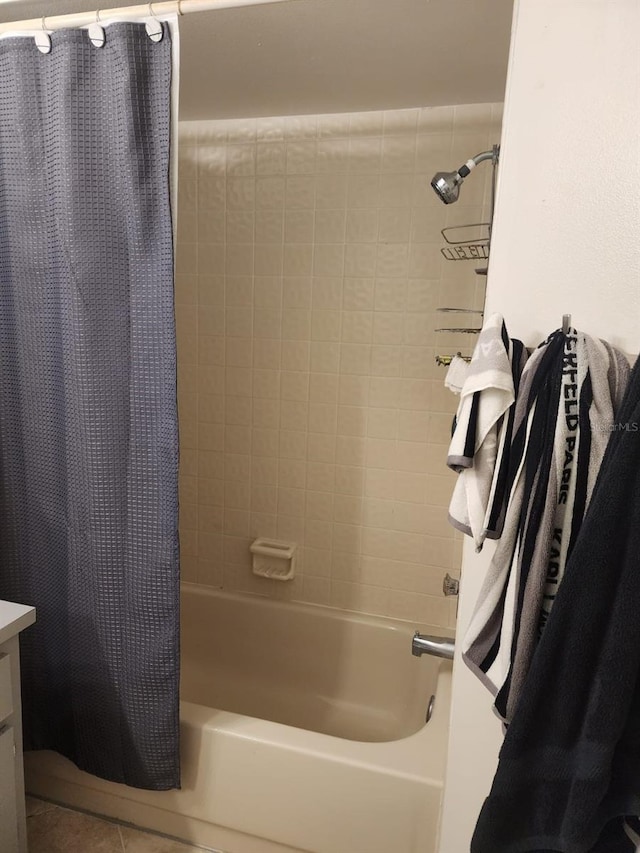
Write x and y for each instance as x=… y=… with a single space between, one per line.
x=88 y=420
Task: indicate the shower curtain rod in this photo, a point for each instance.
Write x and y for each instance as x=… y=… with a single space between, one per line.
x=144 y=10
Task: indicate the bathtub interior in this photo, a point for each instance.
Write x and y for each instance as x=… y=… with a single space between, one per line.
x=307 y=666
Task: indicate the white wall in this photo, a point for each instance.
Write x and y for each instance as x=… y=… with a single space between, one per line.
x=566 y=239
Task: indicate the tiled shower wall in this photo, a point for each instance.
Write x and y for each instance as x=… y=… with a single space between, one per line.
x=311 y=408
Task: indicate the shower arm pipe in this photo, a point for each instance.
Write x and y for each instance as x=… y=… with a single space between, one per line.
x=479 y=158
x=486 y=155
x=144 y=10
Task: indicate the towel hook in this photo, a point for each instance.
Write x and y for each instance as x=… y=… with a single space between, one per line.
x=566 y=323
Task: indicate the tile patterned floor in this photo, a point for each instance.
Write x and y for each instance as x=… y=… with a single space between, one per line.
x=51 y=829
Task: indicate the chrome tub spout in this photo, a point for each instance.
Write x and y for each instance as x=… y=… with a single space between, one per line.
x=439 y=647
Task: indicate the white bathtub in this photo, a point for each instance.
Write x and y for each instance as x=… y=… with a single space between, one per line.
x=303 y=729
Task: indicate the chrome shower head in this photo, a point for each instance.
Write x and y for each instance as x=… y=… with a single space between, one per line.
x=447 y=184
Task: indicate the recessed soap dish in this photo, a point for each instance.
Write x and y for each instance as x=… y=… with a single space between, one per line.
x=274 y=559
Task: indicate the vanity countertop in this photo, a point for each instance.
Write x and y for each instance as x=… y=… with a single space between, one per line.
x=14 y=618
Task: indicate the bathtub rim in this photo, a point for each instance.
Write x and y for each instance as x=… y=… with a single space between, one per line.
x=333 y=613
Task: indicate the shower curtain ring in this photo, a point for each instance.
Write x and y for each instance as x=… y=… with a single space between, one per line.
x=154 y=28
x=43 y=39
x=96 y=32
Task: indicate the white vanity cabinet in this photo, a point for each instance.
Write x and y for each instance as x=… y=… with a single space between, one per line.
x=13 y=829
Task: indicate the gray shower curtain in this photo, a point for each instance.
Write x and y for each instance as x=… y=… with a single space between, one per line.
x=88 y=427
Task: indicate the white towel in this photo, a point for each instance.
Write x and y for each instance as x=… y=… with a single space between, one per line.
x=456 y=374
x=486 y=396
